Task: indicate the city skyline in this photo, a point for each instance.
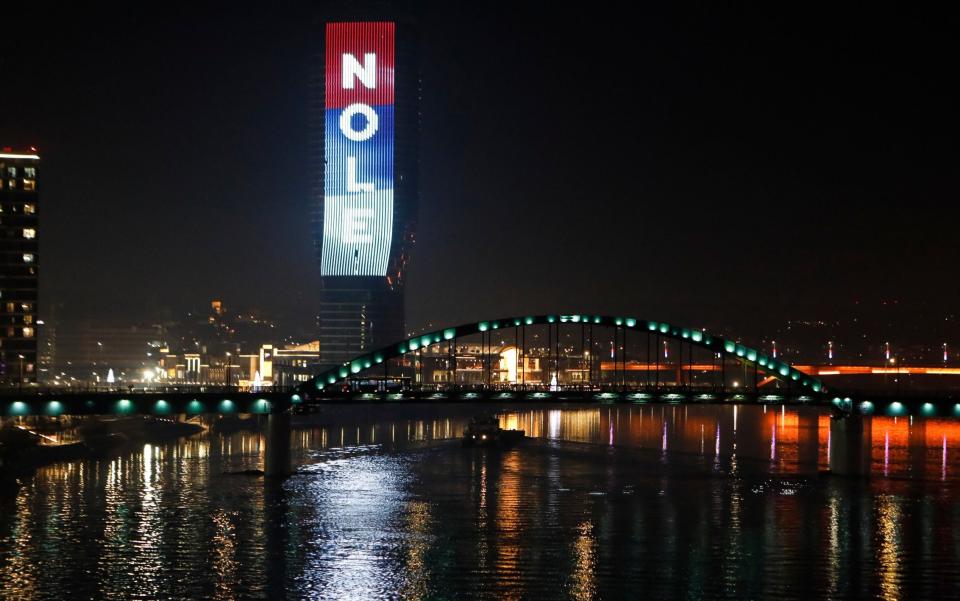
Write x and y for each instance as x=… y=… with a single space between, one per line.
x=197 y=171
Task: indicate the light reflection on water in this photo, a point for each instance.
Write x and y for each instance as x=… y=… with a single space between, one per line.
x=674 y=501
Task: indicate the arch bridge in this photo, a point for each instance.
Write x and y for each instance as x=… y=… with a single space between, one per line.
x=568 y=357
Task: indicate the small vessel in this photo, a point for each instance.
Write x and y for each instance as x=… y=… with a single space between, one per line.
x=485 y=431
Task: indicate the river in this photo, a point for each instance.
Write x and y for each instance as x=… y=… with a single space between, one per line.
x=604 y=502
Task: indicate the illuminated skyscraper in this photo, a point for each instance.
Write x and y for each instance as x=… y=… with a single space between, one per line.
x=367 y=193
x=18 y=266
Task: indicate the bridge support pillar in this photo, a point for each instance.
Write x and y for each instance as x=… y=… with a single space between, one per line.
x=808 y=440
x=277 y=453
x=850 y=445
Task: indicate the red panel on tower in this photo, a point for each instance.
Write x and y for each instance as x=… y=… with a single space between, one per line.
x=366 y=51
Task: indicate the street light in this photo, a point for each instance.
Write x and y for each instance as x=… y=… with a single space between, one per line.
x=893 y=361
x=21 y=371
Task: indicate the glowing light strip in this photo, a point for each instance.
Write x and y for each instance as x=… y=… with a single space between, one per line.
x=20 y=156
x=866 y=370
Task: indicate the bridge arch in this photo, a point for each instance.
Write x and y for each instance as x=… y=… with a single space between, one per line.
x=698 y=338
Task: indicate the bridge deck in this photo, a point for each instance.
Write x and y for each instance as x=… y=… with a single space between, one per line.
x=227 y=401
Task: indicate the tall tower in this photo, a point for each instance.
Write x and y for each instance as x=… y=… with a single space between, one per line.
x=18 y=266
x=368 y=186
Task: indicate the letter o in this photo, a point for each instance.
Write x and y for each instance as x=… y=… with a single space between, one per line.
x=367 y=132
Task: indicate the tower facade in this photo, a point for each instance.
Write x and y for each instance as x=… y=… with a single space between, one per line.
x=368 y=188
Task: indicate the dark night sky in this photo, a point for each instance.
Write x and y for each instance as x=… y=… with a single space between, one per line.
x=705 y=165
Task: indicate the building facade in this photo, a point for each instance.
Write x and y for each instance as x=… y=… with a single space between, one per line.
x=366 y=197
x=19 y=261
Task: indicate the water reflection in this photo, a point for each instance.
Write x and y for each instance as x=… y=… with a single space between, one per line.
x=584 y=586
x=606 y=502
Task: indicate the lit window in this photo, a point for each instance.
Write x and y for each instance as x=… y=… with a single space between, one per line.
x=30 y=172
x=29 y=209
x=28 y=332
x=10 y=308
x=25 y=307
x=29 y=233
x=12 y=171
x=29 y=184
x=12 y=184
x=28 y=319
x=28 y=257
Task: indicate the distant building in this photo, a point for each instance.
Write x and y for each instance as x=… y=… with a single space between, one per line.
x=19 y=196
x=295 y=364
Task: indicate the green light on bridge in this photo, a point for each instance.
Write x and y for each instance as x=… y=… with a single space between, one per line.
x=927 y=409
x=697 y=336
x=896 y=408
x=226 y=406
x=528 y=320
x=161 y=407
x=19 y=408
x=194 y=407
x=449 y=334
x=664 y=328
x=631 y=322
x=551 y=318
x=296 y=399
x=751 y=354
x=261 y=406
x=123 y=407
x=729 y=346
x=483 y=326
x=866 y=408
x=54 y=408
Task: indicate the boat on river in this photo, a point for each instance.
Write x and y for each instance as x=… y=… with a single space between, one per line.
x=485 y=431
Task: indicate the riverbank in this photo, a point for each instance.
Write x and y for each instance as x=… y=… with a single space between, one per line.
x=22 y=450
